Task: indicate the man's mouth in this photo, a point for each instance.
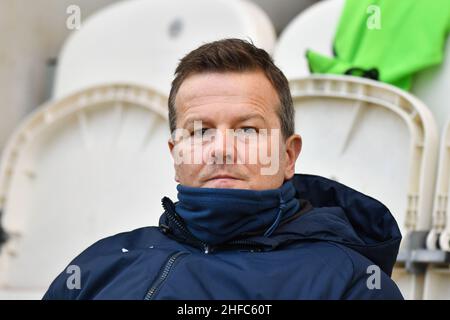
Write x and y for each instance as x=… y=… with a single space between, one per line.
x=222 y=181
x=223 y=177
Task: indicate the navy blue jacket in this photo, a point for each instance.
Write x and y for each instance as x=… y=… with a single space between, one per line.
x=342 y=245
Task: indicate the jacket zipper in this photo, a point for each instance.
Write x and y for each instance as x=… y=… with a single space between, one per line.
x=171 y=214
x=163 y=274
x=245 y=245
x=237 y=244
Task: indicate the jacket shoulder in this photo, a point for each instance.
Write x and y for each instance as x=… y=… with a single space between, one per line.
x=104 y=255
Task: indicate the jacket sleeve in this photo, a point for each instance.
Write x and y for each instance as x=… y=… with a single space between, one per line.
x=60 y=289
x=369 y=282
x=71 y=282
x=366 y=288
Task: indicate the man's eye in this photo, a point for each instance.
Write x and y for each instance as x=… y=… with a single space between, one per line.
x=249 y=130
x=199 y=133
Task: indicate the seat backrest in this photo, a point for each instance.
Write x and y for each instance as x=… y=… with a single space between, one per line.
x=314 y=29
x=371 y=136
x=79 y=169
x=141 y=42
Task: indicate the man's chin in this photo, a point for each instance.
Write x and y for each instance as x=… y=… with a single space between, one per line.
x=224 y=183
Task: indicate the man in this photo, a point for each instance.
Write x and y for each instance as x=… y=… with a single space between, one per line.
x=245 y=226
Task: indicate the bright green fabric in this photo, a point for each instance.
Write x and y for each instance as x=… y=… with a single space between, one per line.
x=411 y=37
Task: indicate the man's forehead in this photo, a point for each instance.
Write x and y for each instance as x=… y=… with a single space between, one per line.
x=248 y=88
x=211 y=85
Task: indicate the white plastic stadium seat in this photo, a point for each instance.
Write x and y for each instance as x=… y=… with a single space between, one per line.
x=79 y=169
x=375 y=138
x=141 y=42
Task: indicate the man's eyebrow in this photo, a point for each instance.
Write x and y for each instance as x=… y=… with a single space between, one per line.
x=245 y=117
x=191 y=120
x=250 y=116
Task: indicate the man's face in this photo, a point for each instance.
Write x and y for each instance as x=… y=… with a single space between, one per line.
x=239 y=143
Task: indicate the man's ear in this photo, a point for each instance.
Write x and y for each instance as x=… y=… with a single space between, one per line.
x=171 y=145
x=293 y=149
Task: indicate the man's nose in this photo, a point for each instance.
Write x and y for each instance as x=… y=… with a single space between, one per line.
x=223 y=146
